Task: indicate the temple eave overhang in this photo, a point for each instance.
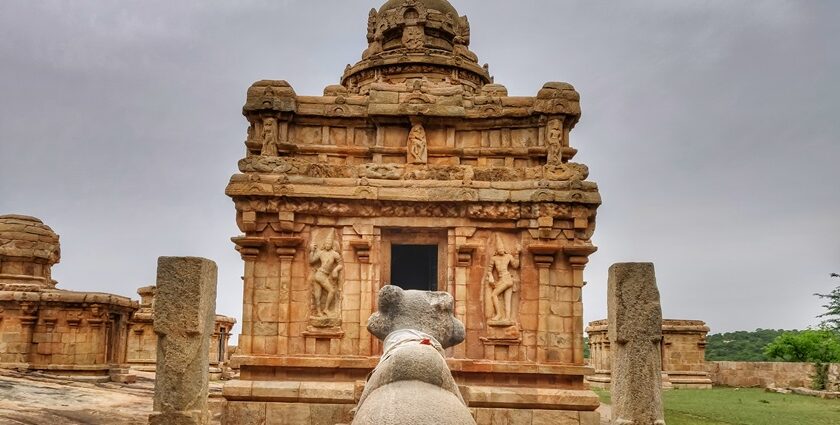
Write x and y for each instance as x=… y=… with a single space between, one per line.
x=586 y=193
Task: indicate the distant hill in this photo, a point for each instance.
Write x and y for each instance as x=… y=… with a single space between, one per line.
x=742 y=346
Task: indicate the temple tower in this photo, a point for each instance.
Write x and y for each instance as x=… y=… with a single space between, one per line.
x=418 y=171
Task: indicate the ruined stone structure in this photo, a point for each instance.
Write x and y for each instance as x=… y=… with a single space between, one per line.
x=47 y=329
x=417 y=170
x=185 y=313
x=142 y=341
x=683 y=352
x=634 y=324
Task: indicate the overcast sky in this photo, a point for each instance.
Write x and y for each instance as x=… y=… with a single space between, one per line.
x=712 y=128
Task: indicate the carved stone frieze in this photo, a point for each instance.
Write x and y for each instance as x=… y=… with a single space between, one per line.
x=378 y=208
x=568 y=172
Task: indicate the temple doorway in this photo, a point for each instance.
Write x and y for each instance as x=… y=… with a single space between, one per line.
x=415 y=267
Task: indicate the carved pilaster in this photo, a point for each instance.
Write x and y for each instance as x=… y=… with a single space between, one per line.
x=286 y=249
x=249 y=248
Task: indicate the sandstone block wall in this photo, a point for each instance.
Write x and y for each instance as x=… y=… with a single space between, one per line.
x=762 y=374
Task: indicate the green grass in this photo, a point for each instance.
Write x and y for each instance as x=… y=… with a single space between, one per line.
x=729 y=406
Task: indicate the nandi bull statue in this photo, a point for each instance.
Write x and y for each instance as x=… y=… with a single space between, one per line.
x=412 y=384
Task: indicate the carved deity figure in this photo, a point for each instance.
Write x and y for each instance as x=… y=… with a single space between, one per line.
x=269 y=139
x=502 y=286
x=414 y=37
x=554 y=142
x=327 y=266
x=417 y=148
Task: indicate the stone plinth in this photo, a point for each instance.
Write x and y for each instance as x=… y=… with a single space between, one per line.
x=683 y=351
x=417 y=151
x=184 y=312
x=51 y=330
x=635 y=326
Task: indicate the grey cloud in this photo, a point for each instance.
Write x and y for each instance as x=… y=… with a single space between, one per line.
x=708 y=124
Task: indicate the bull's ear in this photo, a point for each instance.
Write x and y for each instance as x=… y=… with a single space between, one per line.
x=390 y=297
x=442 y=302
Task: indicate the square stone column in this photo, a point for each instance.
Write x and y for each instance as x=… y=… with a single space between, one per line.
x=184 y=320
x=635 y=329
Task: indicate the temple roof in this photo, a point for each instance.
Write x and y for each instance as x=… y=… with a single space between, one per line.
x=28 y=238
x=417 y=39
x=439 y=5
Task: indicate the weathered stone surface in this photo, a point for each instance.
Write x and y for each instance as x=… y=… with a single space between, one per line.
x=413 y=374
x=184 y=312
x=635 y=327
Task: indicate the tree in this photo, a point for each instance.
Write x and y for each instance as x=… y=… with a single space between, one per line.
x=822 y=346
x=832 y=315
x=740 y=346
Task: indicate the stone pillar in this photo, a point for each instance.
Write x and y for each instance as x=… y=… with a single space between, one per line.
x=184 y=313
x=635 y=330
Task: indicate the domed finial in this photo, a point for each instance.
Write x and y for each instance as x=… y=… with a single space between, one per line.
x=31 y=248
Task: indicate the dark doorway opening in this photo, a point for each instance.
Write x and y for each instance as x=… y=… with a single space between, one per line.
x=415 y=267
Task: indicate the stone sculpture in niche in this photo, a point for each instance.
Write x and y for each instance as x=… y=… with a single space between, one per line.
x=327 y=266
x=417 y=148
x=501 y=283
x=269 y=147
x=414 y=37
x=554 y=138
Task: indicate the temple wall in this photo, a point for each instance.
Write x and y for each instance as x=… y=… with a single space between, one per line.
x=762 y=374
x=142 y=344
x=61 y=335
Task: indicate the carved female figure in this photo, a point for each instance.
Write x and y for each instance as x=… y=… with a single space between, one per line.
x=502 y=286
x=417 y=151
x=554 y=139
x=269 y=147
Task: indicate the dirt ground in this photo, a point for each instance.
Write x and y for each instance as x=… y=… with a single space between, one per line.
x=29 y=399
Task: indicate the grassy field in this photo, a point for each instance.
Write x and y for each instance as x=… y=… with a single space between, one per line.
x=729 y=406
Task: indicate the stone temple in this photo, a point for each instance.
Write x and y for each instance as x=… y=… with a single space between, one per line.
x=683 y=352
x=417 y=170
x=51 y=330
